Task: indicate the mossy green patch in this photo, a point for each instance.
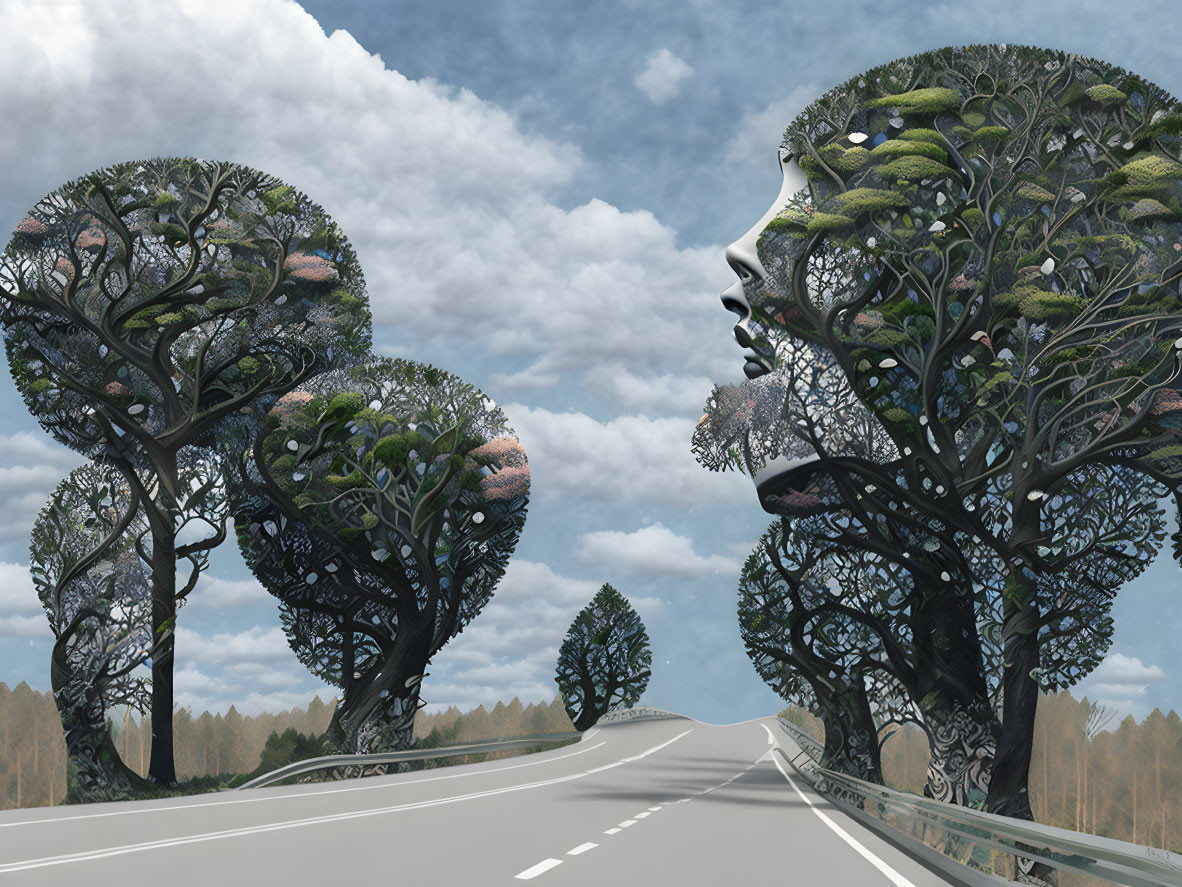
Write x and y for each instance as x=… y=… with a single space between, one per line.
x=857 y=201
x=989 y=135
x=972 y=217
x=914 y=168
x=1031 y=191
x=1106 y=94
x=1147 y=208
x=1144 y=177
x=919 y=134
x=820 y=222
x=928 y=100
x=1034 y=303
x=894 y=148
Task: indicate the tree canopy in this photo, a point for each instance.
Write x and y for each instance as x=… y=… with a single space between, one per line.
x=604 y=661
x=380 y=505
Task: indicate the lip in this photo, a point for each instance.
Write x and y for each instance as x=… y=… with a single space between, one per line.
x=755 y=366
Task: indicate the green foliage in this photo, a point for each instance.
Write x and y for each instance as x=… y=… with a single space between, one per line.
x=392 y=450
x=1031 y=191
x=928 y=100
x=1030 y=301
x=895 y=148
x=913 y=168
x=1105 y=94
x=343 y=407
x=1145 y=176
x=972 y=217
x=288 y=748
x=920 y=134
x=823 y=222
x=840 y=159
x=989 y=135
x=860 y=201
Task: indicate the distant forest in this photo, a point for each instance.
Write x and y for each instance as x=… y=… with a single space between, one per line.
x=33 y=753
x=1124 y=784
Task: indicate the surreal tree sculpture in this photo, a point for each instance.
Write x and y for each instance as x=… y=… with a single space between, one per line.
x=604 y=661
x=380 y=506
x=90 y=552
x=794 y=641
x=146 y=304
x=988 y=247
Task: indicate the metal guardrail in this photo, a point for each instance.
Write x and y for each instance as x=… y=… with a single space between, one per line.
x=643 y=713
x=414 y=754
x=1118 y=862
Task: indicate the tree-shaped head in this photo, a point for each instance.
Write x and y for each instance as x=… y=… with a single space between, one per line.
x=152 y=292
x=975 y=217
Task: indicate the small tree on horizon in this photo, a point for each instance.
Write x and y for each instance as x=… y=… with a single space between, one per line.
x=603 y=663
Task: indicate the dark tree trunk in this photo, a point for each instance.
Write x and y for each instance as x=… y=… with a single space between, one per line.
x=96 y=771
x=161 y=517
x=1009 y=787
x=851 y=739
x=953 y=697
x=377 y=712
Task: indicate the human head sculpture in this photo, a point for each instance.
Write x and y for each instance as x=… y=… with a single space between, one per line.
x=987 y=240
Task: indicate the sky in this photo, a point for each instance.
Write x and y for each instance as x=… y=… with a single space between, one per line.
x=539 y=193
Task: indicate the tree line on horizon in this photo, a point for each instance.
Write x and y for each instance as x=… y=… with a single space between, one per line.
x=33 y=749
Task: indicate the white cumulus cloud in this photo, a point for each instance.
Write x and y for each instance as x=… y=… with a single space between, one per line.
x=663 y=76
x=651 y=551
x=628 y=460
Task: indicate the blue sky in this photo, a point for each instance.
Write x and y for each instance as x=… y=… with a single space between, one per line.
x=540 y=193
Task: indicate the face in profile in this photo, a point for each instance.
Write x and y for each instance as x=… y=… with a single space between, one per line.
x=758 y=347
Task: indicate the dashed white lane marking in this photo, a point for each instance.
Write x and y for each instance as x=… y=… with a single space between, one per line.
x=582 y=848
x=626 y=823
x=892 y=875
x=327 y=791
x=611 y=831
x=533 y=871
x=653 y=809
x=642 y=815
x=295 y=823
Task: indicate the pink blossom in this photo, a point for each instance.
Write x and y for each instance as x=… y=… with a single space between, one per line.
x=508 y=483
x=92 y=236
x=503 y=450
x=29 y=225
x=310 y=268
x=1166 y=401
x=64 y=267
x=290 y=404
x=117 y=389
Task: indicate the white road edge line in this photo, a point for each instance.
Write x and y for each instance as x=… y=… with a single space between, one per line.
x=330 y=791
x=295 y=823
x=582 y=848
x=891 y=874
x=544 y=866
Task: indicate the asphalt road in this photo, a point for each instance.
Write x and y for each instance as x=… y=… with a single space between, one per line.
x=664 y=802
